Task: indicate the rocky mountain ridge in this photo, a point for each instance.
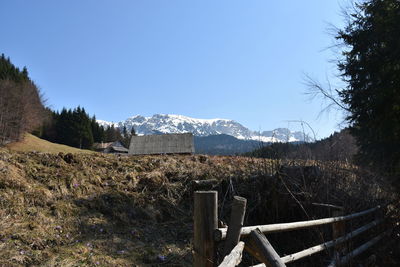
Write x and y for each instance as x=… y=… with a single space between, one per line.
x=167 y=123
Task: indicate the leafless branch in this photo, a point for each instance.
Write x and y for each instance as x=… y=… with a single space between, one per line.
x=315 y=89
x=302 y=125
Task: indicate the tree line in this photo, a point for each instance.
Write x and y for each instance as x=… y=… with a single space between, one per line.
x=22 y=110
x=21 y=105
x=369 y=66
x=340 y=146
x=75 y=127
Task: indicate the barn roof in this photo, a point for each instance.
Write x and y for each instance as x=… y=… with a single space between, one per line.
x=162 y=144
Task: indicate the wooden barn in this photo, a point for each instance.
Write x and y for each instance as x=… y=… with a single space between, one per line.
x=162 y=144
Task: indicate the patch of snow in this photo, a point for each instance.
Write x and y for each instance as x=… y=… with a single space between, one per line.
x=172 y=123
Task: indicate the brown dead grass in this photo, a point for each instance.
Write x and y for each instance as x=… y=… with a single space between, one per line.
x=102 y=210
x=32 y=143
x=106 y=210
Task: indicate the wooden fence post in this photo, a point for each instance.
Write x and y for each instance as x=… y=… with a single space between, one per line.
x=259 y=246
x=205 y=223
x=235 y=224
x=338 y=230
x=380 y=213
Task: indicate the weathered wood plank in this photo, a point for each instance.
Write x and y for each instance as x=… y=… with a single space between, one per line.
x=359 y=250
x=318 y=248
x=205 y=223
x=338 y=230
x=220 y=233
x=259 y=247
x=235 y=224
x=233 y=258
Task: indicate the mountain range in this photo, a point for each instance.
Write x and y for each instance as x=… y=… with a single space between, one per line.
x=167 y=123
x=212 y=136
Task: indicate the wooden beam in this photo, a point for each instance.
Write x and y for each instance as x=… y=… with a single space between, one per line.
x=220 y=233
x=259 y=247
x=359 y=250
x=318 y=248
x=233 y=258
x=338 y=230
x=205 y=223
x=329 y=244
x=235 y=224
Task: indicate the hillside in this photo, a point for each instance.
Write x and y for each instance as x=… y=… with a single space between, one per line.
x=340 y=146
x=223 y=144
x=104 y=210
x=32 y=143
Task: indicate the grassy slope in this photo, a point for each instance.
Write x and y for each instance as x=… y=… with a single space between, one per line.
x=33 y=143
x=105 y=210
x=73 y=210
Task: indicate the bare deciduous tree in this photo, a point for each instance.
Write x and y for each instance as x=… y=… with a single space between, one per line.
x=21 y=109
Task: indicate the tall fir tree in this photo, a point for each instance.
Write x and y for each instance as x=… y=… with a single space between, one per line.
x=83 y=136
x=371 y=69
x=73 y=128
x=97 y=130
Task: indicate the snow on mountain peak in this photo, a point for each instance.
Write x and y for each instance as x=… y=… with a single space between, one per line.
x=171 y=123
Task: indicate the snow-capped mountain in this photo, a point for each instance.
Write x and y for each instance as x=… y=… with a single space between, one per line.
x=164 y=123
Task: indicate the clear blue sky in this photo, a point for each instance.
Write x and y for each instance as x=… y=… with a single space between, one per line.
x=241 y=60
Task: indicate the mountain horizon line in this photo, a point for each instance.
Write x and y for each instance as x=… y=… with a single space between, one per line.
x=174 y=123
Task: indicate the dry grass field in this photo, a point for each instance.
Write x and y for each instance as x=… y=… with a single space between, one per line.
x=91 y=209
x=32 y=143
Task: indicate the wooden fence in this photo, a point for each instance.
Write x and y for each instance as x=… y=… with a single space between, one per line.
x=207 y=235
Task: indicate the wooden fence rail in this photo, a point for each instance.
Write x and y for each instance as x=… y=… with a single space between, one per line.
x=207 y=234
x=233 y=258
x=261 y=249
x=326 y=245
x=360 y=249
x=220 y=233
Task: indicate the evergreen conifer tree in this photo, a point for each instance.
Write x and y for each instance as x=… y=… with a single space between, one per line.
x=371 y=69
